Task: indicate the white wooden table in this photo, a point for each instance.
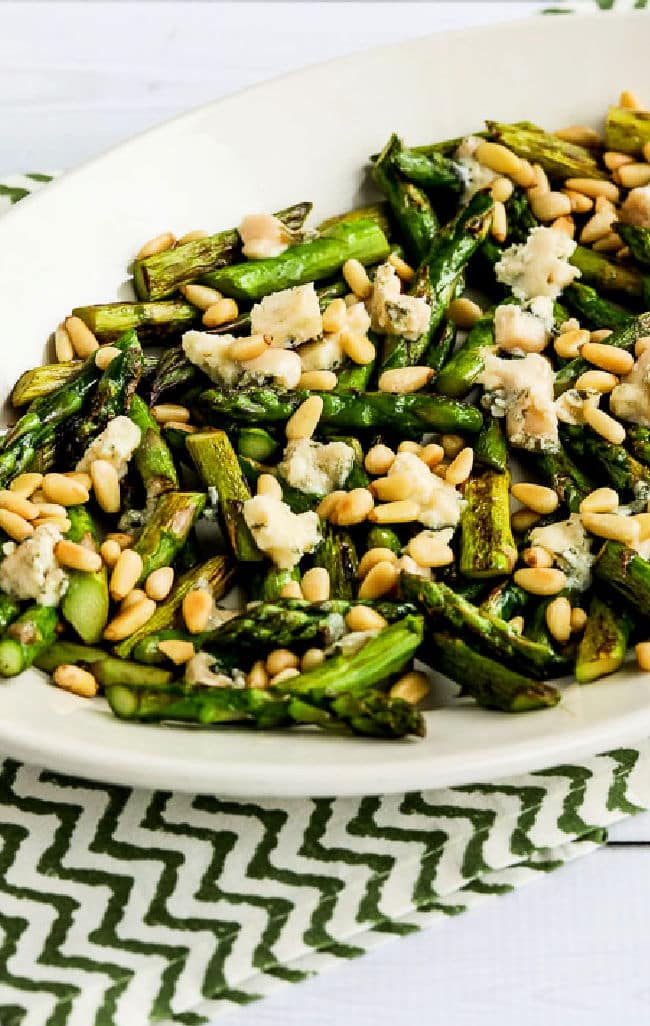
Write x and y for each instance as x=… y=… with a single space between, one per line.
x=571 y=949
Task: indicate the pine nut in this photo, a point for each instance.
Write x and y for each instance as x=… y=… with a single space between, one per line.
x=452 y=445
x=578 y=620
x=558 y=619
x=134 y=596
x=646 y=151
x=17 y=504
x=63 y=345
x=464 y=312
x=106 y=485
x=498 y=158
x=566 y=225
x=501 y=189
x=394 y=487
x=76 y=680
x=63 y=523
x=177 y=651
x=569 y=343
x=611 y=243
x=110 y=552
x=630 y=101
x=267 y=484
x=409 y=446
x=600 y=335
x=291 y=590
x=197 y=607
x=642 y=651
x=429 y=551
x=354 y=507
x=77 y=557
x=596 y=381
x=105 y=356
x=358 y=347
x=158 y=244
x=126 y=574
x=643 y=520
x=525 y=177
x=597 y=227
x=516 y=624
x=374 y=556
x=15 y=526
x=26 y=484
x=304 y=421
x=201 y=296
x=334 y=316
x=499 y=224
x=537 y=556
x=541 y=179
x=411 y=688
x=281 y=659
x=316 y=584
x=81 y=477
x=580 y=135
x=523 y=519
x=536 y=497
x=178 y=425
x=193 y=236
x=404 y=512
x=249 y=348
x=63 y=490
x=432 y=454
x=221 y=312
x=379 y=459
x=634 y=176
x=593 y=187
x=641 y=345
x=579 y=204
x=546 y=206
x=83 y=341
x=124 y=540
x=283 y=675
x=257 y=676
x=357 y=278
x=612 y=526
x=540 y=580
x=364 y=618
x=601 y=500
x=327 y=506
x=401 y=380
x=460 y=468
x=165 y=412
x=403 y=270
x=318 y=381
x=130 y=620
x=381 y=579
x=613 y=160
x=159 y=583
x=311 y=658
x=604 y=425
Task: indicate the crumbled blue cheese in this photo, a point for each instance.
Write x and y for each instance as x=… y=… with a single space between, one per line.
x=211 y=353
x=636 y=208
x=198 y=670
x=283 y=535
x=316 y=468
x=539 y=266
x=440 y=504
x=392 y=313
x=290 y=317
x=475 y=175
x=31 y=571
x=524 y=329
x=522 y=391
x=263 y=236
x=630 y=399
x=570 y=545
x=328 y=353
x=116 y=444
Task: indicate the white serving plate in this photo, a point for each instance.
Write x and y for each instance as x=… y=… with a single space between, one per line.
x=307 y=135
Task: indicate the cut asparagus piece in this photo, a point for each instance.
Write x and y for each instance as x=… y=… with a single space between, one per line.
x=490 y=449
x=155 y=322
x=637 y=238
x=487 y=548
x=338 y=555
x=608 y=276
x=621 y=570
x=67 y=653
x=26 y=638
x=148 y=651
x=9 y=610
x=592 y=309
x=625 y=473
x=384 y=538
x=85 y=604
x=458 y=376
x=558 y=470
x=173 y=373
x=433 y=170
x=624 y=337
x=410 y=206
x=267 y=584
x=638 y=439
x=627 y=131
x=604 y=643
x=256 y=444
x=153 y=459
x=558 y=158
x=109 y=671
x=41 y=381
x=505 y=601
x=167 y=528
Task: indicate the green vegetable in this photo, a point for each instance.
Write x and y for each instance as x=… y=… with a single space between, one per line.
x=487 y=548
x=622 y=571
x=166 y=530
x=558 y=158
x=85 y=604
x=24 y=640
x=604 y=643
x=627 y=131
x=409 y=205
x=155 y=322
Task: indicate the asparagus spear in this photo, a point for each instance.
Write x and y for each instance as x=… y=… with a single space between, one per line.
x=26 y=638
x=85 y=603
x=326 y=293
x=604 y=643
x=379 y=212
x=256 y=444
x=384 y=538
x=40 y=381
x=412 y=412
x=592 y=309
x=354 y=377
x=627 y=131
x=493 y=685
x=409 y=204
x=624 y=337
x=109 y=671
x=621 y=570
x=487 y=548
x=173 y=373
x=505 y=601
x=458 y=376
x=441 y=346
x=68 y=652
x=433 y=170
x=155 y=322
x=153 y=459
x=604 y=274
x=167 y=528
x=338 y=555
x=297 y=501
x=218 y=467
x=558 y=158
x=638 y=439
x=490 y=449
x=559 y=471
x=637 y=238
x=9 y=610
x=625 y=473
x=266 y=584
x=159 y=276
x=147 y=650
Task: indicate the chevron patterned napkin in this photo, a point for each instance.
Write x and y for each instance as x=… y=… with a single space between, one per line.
x=126 y=907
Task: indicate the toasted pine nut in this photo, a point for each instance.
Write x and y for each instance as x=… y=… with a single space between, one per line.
x=613 y=526
x=281 y=659
x=327 y=506
x=318 y=381
x=194 y=236
x=105 y=356
x=403 y=270
x=134 y=596
x=642 y=651
x=358 y=347
x=354 y=507
x=177 y=651
x=83 y=341
x=291 y=590
x=304 y=421
x=76 y=680
x=221 y=312
x=540 y=580
x=357 y=278
x=110 y=552
x=291 y=671
x=558 y=618
x=159 y=583
x=597 y=227
x=405 y=379
x=633 y=176
x=126 y=574
x=566 y=225
x=523 y=519
x=178 y=425
x=593 y=187
x=201 y=296
x=609 y=429
x=610 y=243
x=498 y=158
x=77 y=557
x=257 y=676
x=630 y=101
x=536 y=555
x=624 y=253
x=15 y=526
x=578 y=620
x=408 y=446
x=597 y=381
x=525 y=177
x=334 y=316
x=501 y=189
x=613 y=160
x=63 y=345
x=432 y=454
x=124 y=540
x=106 y=485
x=499 y=225
x=452 y=444
x=541 y=179
x=580 y=135
x=311 y=658
x=379 y=459
x=394 y=487
x=165 y=412
x=17 y=504
x=536 y=497
x=248 y=348
x=267 y=484
x=374 y=556
x=601 y=500
x=316 y=584
x=569 y=343
x=156 y=245
x=364 y=618
x=63 y=490
x=464 y=312
x=197 y=608
x=26 y=484
x=130 y=620
x=411 y=688
x=548 y=205
x=600 y=335
x=460 y=467
x=381 y=579
x=641 y=345
x=404 y=512
x=429 y=551
x=643 y=520
x=579 y=204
